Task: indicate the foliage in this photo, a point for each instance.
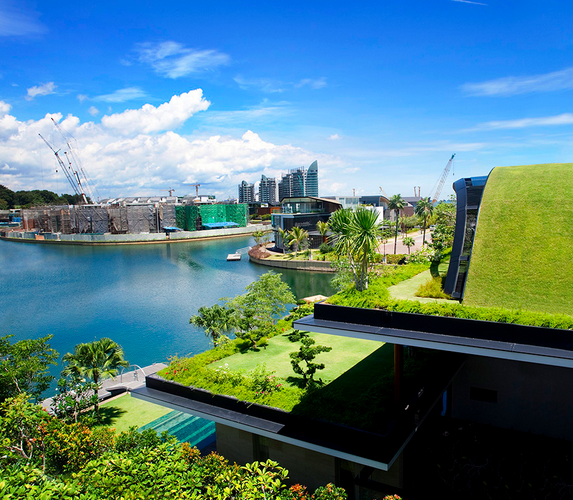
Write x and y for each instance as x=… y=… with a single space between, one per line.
x=73 y=398
x=256 y=311
x=396 y=258
x=262 y=237
x=306 y=354
x=409 y=242
x=298 y=236
x=424 y=210
x=300 y=312
x=322 y=227
x=396 y=203
x=423 y=255
x=96 y=360
x=325 y=248
x=443 y=233
x=264 y=382
x=433 y=288
x=217 y=321
x=356 y=236
x=27 y=199
x=329 y=492
x=24 y=366
x=266 y=217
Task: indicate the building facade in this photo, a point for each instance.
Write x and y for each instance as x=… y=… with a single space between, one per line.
x=299 y=182
x=246 y=192
x=268 y=190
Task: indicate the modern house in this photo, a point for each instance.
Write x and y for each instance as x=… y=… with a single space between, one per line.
x=504 y=375
x=303 y=212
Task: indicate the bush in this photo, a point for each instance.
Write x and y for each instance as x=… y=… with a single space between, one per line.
x=325 y=248
x=399 y=258
x=433 y=288
x=266 y=217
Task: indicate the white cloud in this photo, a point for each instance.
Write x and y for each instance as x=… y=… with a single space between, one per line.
x=123 y=95
x=544 y=121
x=43 y=89
x=4 y=108
x=14 y=22
x=334 y=137
x=117 y=164
x=167 y=116
x=265 y=84
x=316 y=84
x=468 y=1
x=93 y=111
x=82 y=97
x=259 y=113
x=174 y=60
x=515 y=85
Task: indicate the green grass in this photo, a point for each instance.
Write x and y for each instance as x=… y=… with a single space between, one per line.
x=125 y=412
x=406 y=290
x=522 y=250
x=346 y=352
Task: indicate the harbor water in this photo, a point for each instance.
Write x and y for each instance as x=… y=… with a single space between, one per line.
x=141 y=296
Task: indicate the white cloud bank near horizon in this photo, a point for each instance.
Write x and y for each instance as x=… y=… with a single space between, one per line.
x=136 y=152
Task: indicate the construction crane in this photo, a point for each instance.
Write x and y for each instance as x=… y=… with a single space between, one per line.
x=383 y=192
x=196 y=188
x=76 y=160
x=170 y=191
x=70 y=173
x=442 y=180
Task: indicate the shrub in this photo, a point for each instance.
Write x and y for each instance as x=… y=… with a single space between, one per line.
x=399 y=258
x=329 y=492
x=433 y=288
x=325 y=248
x=266 y=217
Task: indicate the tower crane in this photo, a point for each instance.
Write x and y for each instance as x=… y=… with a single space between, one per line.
x=69 y=172
x=170 y=191
x=442 y=180
x=196 y=188
x=76 y=160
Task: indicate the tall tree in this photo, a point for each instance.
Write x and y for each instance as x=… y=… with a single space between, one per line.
x=424 y=209
x=217 y=321
x=96 y=360
x=409 y=242
x=298 y=235
x=24 y=366
x=322 y=227
x=396 y=203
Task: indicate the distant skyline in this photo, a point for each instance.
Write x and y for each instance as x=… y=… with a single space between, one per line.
x=163 y=95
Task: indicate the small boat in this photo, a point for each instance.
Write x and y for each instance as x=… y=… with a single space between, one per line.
x=234 y=256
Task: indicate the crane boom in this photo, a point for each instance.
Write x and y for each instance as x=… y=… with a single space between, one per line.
x=71 y=178
x=443 y=179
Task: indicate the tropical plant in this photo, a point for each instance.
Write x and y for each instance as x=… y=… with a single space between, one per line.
x=73 y=398
x=298 y=235
x=322 y=227
x=217 y=321
x=424 y=209
x=356 y=237
x=24 y=366
x=96 y=360
x=285 y=238
x=409 y=242
x=306 y=354
x=396 y=203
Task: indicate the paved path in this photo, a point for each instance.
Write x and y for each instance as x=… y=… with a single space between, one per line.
x=401 y=248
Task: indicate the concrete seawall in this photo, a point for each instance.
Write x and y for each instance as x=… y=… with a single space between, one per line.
x=126 y=239
x=298 y=265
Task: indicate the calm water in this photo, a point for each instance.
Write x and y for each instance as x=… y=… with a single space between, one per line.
x=140 y=296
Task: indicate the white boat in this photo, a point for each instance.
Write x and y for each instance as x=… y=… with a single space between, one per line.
x=234 y=256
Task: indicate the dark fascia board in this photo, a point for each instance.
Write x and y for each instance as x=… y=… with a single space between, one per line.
x=378 y=450
x=550 y=346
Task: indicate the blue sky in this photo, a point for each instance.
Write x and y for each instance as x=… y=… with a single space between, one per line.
x=164 y=94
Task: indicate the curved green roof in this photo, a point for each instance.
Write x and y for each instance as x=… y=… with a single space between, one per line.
x=523 y=249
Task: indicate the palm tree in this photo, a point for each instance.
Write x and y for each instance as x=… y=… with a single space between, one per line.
x=356 y=235
x=424 y=209
x=96 y=360
x=322 y=228
x=409 y=242
x=298 y=235
x=285 y=238
x=396 y=203
x=216 y=320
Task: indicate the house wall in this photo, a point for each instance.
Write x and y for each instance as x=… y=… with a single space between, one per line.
x=513 y=394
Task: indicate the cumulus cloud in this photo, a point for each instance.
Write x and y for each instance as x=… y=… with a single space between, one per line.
x=43 y=89
x=516 y=85
x=14 y=22
x=142 y=163
x=123 y=95
x=174 y=60
x=149 y=118
x=4 y=108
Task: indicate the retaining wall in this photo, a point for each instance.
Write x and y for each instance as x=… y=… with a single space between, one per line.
x=298 y=265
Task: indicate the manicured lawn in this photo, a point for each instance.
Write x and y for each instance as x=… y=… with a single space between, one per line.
x=406 y=290
x=522 y=250
x=346 y=352
x=125 y=412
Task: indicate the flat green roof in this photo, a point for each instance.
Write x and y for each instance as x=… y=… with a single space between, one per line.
x=523 y=249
